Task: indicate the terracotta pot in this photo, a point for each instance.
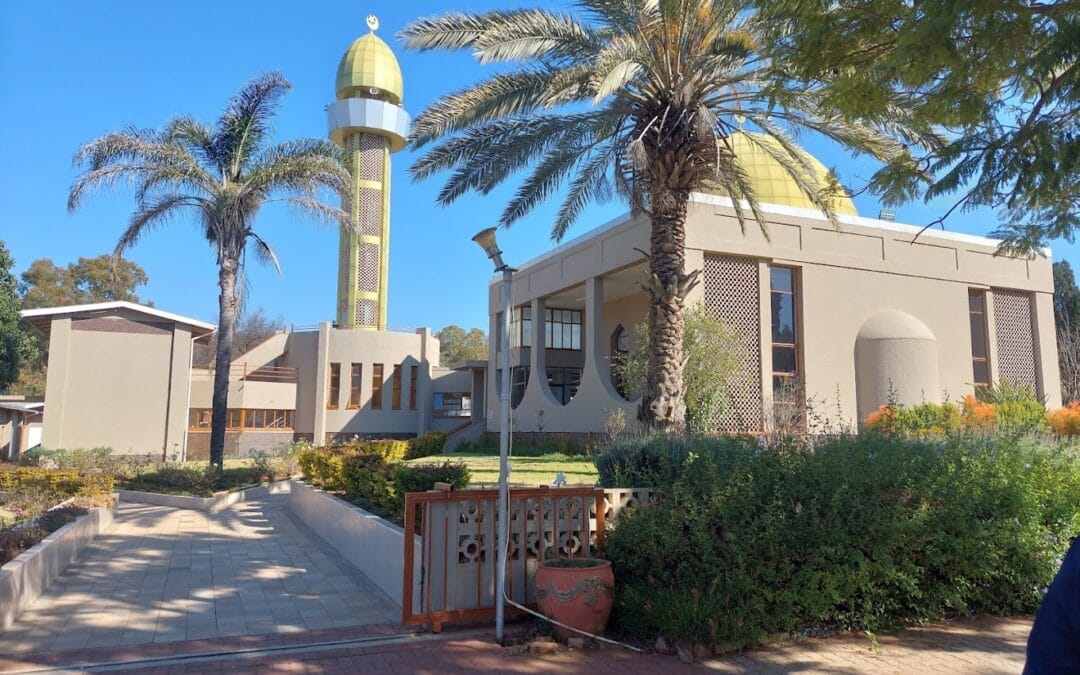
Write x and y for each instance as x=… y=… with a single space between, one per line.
x=579 y=596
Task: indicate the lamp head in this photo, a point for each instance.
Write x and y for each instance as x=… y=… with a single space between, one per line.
x=486 y=240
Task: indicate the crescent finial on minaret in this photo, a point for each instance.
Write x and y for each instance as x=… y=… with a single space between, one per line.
x=373 y=22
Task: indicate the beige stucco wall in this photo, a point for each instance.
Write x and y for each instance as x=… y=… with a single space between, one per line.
x=124 y=390
x=845 y=278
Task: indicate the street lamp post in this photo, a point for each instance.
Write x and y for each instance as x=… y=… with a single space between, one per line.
x=486 y=240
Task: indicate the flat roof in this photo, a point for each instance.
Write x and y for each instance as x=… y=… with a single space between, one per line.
x=41 y=318
x=780 y=210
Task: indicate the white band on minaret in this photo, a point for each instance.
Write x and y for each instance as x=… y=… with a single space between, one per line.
x=370 y=115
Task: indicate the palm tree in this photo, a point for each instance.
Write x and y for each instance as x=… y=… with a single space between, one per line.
x=636 y=98
x=220 y=177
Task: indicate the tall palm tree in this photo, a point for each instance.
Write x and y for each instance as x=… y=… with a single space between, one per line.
x=635 y=98
x=219 y=177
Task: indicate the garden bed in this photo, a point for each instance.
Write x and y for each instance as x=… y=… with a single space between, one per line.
x=28 y=574
x=212 y=504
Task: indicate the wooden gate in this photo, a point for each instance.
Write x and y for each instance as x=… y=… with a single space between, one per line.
x=454 y=578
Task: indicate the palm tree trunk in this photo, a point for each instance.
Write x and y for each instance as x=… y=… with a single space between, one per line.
x=663 y=407
x=227 y=308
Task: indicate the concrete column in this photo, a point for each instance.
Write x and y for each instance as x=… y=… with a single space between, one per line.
x=176 y=413
x=322 y=374
x=1044 y=336
x=991 y=336
x=494 y=362
x=765 y=339
x=52 y=436
x=423 y=381
x=596 y=346
x=538 y=352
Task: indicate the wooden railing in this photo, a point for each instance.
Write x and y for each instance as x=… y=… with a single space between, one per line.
x=454 y=579
x=242 y=371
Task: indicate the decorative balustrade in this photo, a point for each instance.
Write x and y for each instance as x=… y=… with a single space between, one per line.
x=455 y=574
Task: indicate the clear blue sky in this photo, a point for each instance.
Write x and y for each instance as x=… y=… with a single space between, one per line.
x=72 y=70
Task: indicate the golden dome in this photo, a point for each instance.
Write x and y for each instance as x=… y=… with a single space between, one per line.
x=772 y=183
x=370 y=64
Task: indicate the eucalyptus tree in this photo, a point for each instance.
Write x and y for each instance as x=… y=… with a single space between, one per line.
x=637 y=99
x=218 y=177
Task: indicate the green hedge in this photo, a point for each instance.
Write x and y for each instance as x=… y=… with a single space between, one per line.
x=657 y=460
x=863 y=533
x=372 y=480
x=60 y=482
x=427 y=445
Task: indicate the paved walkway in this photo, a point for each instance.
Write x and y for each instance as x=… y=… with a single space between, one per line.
x=167 y=575
x=982 y=646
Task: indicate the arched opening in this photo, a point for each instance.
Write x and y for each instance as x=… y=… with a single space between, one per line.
x=620 y=348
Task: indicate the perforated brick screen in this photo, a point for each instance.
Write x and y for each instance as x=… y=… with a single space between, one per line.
x=732 y=295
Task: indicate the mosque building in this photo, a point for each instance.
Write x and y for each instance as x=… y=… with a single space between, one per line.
x=854 y=317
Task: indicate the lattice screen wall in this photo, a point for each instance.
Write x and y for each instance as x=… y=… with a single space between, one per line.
x=732 y=295
x=362 y=261
x=1015 y=338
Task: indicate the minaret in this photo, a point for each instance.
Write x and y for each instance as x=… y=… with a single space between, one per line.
x=367 y=120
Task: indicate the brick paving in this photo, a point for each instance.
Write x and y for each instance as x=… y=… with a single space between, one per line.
x=161 y=575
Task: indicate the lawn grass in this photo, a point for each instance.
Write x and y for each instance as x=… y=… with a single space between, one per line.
x=524 y=471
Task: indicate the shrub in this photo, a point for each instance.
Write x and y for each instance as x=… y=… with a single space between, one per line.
x=1066 y=421
x=863 y=533
x=922 y=419
x=657 y=461
x=382 y=487
x=54 y=481
x=1019 y=410
x=429 y=444
x=14 y=542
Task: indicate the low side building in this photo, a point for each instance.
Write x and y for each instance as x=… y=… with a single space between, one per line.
x=331 y=384
x=20 y=425
x=849 y=318
x=118 y=376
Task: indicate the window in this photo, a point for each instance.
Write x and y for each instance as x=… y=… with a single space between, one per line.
x=355 y=373
x=564 y=383
x=238 y=419
x=451 y=404
x=335 y=386
x=521 y=326
x=519 y=381
x=562 y=329
x=376 y=386
x=199 y=418
x=395 y=393
x=414 y=376
x=980 y=356
x=785 y=330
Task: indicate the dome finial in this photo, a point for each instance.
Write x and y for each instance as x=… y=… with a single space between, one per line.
x=373 y=22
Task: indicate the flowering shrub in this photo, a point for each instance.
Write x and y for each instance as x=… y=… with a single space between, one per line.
x=1066 y=421
x=976 y=415
x=923 y=419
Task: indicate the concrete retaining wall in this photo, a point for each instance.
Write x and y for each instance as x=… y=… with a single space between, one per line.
x=374 y=545
x=26 y=577
x=211 y=504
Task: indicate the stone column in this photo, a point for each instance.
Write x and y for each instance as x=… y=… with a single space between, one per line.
x=1046 y=356
x=322 y=374
x=56 y=384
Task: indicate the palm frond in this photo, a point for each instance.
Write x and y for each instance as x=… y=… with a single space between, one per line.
x=243 y=126
x=151 y=215
x=504 y=95
x=592 y=184
x=265 y=253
